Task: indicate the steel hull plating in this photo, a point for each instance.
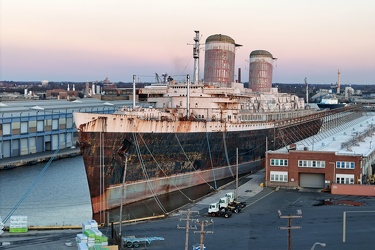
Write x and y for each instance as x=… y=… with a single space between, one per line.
x=160 y=163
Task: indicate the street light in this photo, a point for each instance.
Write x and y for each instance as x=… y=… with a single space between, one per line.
x=318 y=243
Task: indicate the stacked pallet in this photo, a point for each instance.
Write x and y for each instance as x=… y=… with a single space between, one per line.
x=91 y=237
x=18 y=224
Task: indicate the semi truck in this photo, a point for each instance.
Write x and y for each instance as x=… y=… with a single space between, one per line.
x=224 y=204
x=215 y=211
x=233 y=202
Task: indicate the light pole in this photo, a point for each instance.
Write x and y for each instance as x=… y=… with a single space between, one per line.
x=318 y=243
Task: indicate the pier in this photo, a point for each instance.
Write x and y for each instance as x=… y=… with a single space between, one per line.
x=31 y=159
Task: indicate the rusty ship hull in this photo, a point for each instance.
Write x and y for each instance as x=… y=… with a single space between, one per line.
x=161 y=163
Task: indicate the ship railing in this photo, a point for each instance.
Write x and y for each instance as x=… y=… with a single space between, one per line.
x=273 y=116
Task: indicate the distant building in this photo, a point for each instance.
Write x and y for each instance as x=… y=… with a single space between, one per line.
x=28 y=127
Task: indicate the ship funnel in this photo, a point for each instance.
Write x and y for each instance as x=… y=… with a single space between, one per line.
x=219 y=60
x=260 y=71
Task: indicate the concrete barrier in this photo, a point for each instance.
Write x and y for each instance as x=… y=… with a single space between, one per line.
x=353 y=189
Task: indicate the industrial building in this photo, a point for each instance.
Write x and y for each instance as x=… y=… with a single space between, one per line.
x=342 y=154
x=29 y=127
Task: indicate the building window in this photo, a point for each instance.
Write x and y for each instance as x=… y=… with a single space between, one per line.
x=311 y=164
x=345 y=165
x=24 y=126
x=279 y=176
x=55 y=124
x=279 y=162
x=6 y=129
x=69 y=123
x=40 y=126
x=345 y=178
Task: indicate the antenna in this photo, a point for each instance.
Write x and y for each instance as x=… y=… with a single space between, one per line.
x=307 y=91
x=338 y=81
x=196 y=57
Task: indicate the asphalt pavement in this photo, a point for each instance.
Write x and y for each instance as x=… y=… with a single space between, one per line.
x=248 y=186
x=305 y=223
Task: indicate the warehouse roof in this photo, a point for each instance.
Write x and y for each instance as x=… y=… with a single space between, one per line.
x=84 y=105
x=354 y=137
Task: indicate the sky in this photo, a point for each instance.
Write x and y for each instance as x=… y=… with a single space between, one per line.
x=89 y=40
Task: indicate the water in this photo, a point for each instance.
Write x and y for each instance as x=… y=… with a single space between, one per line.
x=60 y=197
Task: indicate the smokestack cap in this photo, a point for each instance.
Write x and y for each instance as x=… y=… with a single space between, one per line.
x=261 y=53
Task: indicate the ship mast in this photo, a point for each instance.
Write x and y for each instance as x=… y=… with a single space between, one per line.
x=188 y=97
x=307 y=91
x=196 y=57
x=338 y=81
x=133 y=91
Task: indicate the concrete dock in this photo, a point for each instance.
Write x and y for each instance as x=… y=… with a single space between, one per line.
x=31 y=159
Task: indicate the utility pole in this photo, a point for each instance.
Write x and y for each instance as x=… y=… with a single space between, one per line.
x=202 y=232
x=236 y=196
x=290 y=227
x=187 y=227
x=307 y=91
x=122 y=194
x=266 y=161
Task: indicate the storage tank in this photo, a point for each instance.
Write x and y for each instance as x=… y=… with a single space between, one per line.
x=260 y=71
x=219 y=60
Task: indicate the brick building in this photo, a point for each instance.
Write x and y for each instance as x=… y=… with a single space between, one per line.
x=342 y=155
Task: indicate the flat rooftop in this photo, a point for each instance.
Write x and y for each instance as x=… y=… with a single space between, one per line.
x=354 y=137
x=83 y=105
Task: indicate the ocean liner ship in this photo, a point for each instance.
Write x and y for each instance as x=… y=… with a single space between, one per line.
x=191 y=134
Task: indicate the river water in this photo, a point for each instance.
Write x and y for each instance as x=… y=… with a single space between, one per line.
x=59 y=197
